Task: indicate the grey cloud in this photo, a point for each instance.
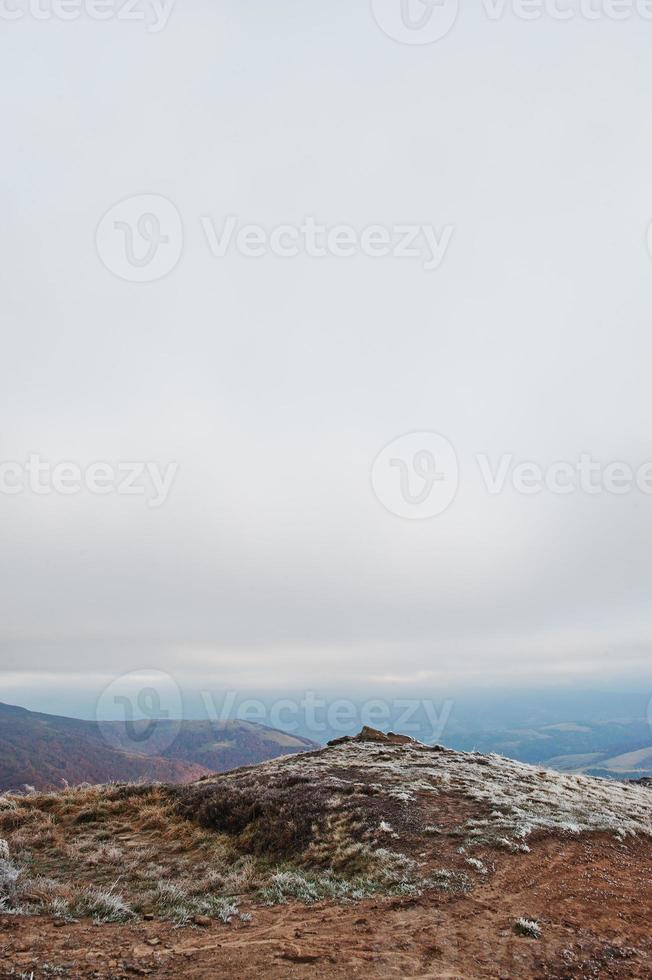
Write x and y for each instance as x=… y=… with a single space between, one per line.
x=273 y=384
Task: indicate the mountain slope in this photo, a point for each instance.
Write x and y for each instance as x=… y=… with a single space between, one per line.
x=46 y=751
x=416 y=790
x=216 y=745
x=376 y=856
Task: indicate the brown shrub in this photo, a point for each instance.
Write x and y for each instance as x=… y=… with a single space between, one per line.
x=264 y=819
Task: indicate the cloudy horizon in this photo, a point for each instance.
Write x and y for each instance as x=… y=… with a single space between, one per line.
x=480 y=276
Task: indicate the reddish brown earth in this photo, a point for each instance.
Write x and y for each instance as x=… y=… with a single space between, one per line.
x=591 y=895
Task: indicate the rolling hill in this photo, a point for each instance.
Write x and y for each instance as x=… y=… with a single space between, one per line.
x=618 y=749
x=48 y=752
x=377 y=856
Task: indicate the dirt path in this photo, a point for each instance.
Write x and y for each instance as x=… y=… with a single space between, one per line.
x=592 y=897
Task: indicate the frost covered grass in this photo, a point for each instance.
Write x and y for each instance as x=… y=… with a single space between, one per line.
x=102 y=906
x=110 y=847
x=173 y=902
x=323 y=820
x=528 y=927
x=295 y=884
x=392 y=873
x=302 y=886
x=356 y=819
x=520 y=799
x=524 y=799
x=10 y=888
x=477 y=865
x=21 y=894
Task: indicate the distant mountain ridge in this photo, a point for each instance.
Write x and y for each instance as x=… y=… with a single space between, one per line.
x=48 y=751
x=610 y=749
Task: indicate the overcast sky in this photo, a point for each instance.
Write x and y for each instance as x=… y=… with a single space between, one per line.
x=274 y=383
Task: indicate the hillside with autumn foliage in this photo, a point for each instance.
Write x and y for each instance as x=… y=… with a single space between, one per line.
x=49 y=752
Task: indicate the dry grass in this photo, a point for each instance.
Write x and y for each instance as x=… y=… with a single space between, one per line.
x=117 y=852
x=349 y=821
x=105 y=852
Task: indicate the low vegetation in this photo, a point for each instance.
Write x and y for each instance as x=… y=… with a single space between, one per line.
x=360 y=818
x=528 y=927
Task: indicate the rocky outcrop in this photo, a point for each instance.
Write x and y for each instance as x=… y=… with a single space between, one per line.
x=373 y=735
